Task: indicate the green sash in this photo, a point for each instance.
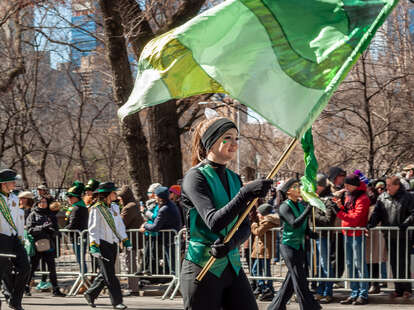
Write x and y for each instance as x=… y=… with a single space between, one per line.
x=108 y=218
x=201 y=237
x=5 y=211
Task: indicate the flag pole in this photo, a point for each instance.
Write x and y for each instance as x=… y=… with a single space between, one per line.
x=246 y=212
x=314 y=242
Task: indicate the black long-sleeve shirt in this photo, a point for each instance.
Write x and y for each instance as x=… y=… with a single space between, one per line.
x=196 y=193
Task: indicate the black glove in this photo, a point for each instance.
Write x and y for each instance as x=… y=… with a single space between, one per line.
x=313 y=234
x=369 y=225
x=403 y=226
x=256 y=188
x=219 y=249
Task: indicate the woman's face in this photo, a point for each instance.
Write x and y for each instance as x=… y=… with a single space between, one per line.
x=43 y=203
x=294 y=191
x=225 y=148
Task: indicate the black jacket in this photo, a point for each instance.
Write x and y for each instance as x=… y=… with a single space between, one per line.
x=78 y=219
x=168 y=217
x=42 y=224
x=393 y=210
x=327 y=219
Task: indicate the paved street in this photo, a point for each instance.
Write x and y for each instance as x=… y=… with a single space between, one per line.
x=44 y=301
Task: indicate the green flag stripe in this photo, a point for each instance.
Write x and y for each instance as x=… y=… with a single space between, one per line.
x=302 y=70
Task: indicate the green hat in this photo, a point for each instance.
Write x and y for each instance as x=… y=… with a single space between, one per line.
x=76 y=190
x=106 y=187
x=8 y=175
x=92 y=185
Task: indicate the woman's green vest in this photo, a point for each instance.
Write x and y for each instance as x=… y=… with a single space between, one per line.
x=201 y=237
x=294 y=237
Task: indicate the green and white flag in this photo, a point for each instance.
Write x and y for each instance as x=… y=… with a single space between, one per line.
x=282 y=58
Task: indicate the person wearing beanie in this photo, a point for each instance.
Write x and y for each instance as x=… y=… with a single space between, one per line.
x=133 y=219
x=294 y=217
x=11 y=236
x=263 y=249
x=77 y=219
x=336 y=177
x=324 y=291
x=168 y=218
x=106 y=230
x=26 y=202
x=215 y=198
x=354 y=213
x=42 y=225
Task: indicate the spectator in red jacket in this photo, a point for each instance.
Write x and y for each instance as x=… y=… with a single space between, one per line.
x=355 y=214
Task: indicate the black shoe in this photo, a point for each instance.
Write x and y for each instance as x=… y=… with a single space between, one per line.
x=58 y=293
x=360 y=301
x=120 y=306
x=16 y=307
x=257 y=292
x=347 y=301
x=267 y=295
x=89 y=300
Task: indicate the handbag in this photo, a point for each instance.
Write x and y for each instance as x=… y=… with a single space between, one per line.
x=42 y=245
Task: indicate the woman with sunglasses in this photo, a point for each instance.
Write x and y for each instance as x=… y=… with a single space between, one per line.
x=294 y=219
x=215 y=198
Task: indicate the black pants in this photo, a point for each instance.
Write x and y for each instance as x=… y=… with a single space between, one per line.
x=17 y=282
x=295 y=281
x=106 y=275
x=48 y=259
x=403 y=261
x=228 y=292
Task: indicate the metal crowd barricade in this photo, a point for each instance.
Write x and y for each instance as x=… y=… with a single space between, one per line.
x=335 y=246
x=153 y=256
x=68 y=256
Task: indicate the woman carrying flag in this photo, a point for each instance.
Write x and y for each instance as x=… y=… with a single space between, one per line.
x=215 y=198
x=106 y=229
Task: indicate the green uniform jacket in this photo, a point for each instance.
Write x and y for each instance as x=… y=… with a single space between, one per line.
x=201 y=237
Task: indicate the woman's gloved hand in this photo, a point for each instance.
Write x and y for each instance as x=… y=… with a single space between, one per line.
x=219 y=249
x=256 y=188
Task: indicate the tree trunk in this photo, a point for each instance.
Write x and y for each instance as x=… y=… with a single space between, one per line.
x=122 y=83
x=166 y=164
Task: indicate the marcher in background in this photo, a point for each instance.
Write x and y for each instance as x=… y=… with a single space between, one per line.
x=42 y=225
x=77 y=219
x=11 y=237
x=215 y=198
x=395 y=207
x=90 y=187
x=26 y=202
x=324 y=291
x=106 y=230
x=294 y=217
x=355 y=214
x=133 y=219
x=264 y=249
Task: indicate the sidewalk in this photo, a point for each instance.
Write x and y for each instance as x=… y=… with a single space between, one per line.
x=44 y=301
